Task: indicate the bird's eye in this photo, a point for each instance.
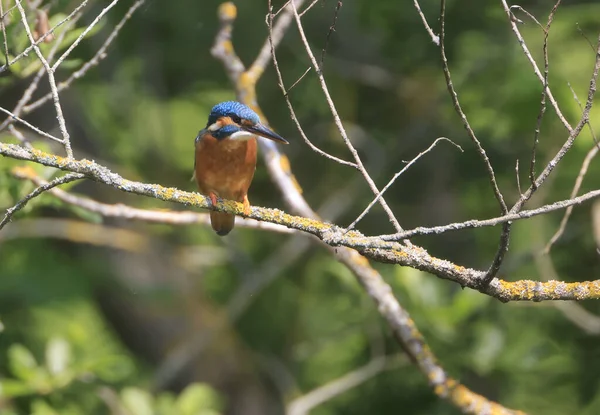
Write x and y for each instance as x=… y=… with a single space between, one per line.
x=236 y=119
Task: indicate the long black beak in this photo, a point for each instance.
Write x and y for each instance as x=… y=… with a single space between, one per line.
x=263 y=131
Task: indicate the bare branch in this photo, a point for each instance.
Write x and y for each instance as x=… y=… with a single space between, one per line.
x=291 y=108
x=463 y=117
x=98 y=57
x=505 y=235
x=475 y=223
x=434 y=38
x=276 y=33
x=329 y=32
x=44 y=36
x=334 y=236
x=393 y=179
x=305 y=403
x=574 y=133
x=50 y=71
x=31 y=126
x=338 y=121
x=67 y=178
x=145 y=215
x=26 y=97
x=3 y=28
x=83 y=34
x=515 y=29
x=563 y=223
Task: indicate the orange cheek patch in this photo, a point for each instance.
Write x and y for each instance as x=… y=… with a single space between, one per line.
x=225 y=121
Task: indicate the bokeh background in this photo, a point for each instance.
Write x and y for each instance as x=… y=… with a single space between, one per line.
x=105 y=316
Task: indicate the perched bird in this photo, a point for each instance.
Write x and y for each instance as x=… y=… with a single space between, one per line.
x=226 y=157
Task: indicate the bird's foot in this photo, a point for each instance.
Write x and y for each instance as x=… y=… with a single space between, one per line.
x=246 y=204
x=213 y=198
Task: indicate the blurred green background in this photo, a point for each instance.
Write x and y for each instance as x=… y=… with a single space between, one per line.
x=111 y=316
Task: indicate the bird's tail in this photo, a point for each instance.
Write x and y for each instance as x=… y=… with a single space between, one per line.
x=221 y=222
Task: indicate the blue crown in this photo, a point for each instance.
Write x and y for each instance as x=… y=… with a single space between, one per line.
x=232 y=109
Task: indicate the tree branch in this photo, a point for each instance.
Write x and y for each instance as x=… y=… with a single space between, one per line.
x=332 y=235
x=67 y=178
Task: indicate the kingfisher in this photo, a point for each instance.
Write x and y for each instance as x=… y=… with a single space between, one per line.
x=225 y=157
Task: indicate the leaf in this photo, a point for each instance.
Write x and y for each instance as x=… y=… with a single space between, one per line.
x=196 y=398
x=40 y=407
x=137 y=401
x=21 y=362
x=58 y=355
x=10 y=388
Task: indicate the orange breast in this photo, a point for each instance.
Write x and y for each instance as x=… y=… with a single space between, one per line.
x=225 y=167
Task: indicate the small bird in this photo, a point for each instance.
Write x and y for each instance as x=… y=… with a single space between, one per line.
x=226 y=158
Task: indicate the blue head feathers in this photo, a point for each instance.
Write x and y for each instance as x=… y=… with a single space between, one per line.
x=233 y=109
x=234 y=120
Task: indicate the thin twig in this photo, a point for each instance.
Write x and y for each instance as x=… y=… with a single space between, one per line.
x=517 y=33
x=329 y=32
x=83 y=34
x=5 y=40
x=31 y=126
x=338 y=121
x=565 y=219
x=573 y=134
x=42 y=37
x=398 y=174
x=67 y=178
x=291 y=108
x=576 y=98
x=476 y=223
x=505 y=236
x=98 y=57
x=309 y=7
x=544 y=88
x=434 y=38
x=305 y=403
x=296 y=82
x=27 y=95
x=276 y=33
x=57 y=106
x=518 y=177
x=19 y=135
x=462 y=115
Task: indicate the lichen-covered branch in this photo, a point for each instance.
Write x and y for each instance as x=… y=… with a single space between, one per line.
x=119 y=210
x=334 y=236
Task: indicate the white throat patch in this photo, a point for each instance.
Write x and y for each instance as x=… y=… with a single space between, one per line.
x=241 y=135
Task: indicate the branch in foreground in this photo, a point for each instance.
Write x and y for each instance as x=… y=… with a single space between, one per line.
x=332 y=235
x=67 y=178
x=66 y=140
x=475 y=223
x=169 y=217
